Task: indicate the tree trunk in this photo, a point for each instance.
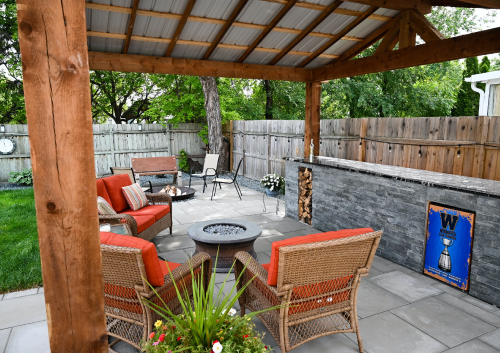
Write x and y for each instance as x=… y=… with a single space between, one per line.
x=216 y=141
x=269 y=100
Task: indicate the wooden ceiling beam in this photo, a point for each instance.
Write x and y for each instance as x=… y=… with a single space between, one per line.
x=284 y=10
x=391 y=39
x=454 y=3
x=425 y=29
x=241 y=4
x=480 y=43
x=407 y=35
x=200 y=44
x=327 y=12
x=490 y=4
x=131 y=23
x=424 y=6
x=163 y=65
x=180 y=27
x=339 y=36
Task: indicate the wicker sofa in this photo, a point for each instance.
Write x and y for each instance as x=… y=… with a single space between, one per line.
x=315 y=279
x=145 y=223
x=127 y=262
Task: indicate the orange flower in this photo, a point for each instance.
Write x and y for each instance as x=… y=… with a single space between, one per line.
x=152 y=335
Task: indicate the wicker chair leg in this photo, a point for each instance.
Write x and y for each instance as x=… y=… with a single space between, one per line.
x=354 y=317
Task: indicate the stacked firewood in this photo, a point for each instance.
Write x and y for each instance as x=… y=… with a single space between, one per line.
x=170 y=190
x=305 y=195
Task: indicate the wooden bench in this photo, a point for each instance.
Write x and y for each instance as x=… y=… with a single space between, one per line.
x=155 y=166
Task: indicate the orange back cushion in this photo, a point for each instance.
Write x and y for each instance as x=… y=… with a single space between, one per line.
x=114 y=186
x=101 y=190
x=154 y=271
x=272 y=278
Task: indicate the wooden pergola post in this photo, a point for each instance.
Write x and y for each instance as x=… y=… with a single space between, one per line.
x=52 y=36
x=313 y=116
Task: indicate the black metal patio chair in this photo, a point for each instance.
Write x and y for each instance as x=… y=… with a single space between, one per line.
x=220 y=181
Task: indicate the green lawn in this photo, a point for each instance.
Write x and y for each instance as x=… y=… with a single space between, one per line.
x=20 y=266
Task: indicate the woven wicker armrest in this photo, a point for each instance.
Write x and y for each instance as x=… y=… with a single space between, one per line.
x=243 y=258
x=184 y=271
x=159 y=199
x=362 y=272
x=121 y=218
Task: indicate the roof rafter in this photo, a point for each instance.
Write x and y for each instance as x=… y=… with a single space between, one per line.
x=180 y=27
x=241 y=4
x=491 y=4
x=339 y=36
x=131 y=23
x=480 y=43
x=200 y=44
x=327 y=12
x=284 y=10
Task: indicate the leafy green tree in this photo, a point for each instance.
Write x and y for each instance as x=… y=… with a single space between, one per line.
x=467 y=100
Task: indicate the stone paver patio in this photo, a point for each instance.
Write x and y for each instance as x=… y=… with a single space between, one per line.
x=399 y=310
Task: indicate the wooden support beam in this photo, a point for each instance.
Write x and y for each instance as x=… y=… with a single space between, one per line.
x=56 y=82
x=455 y=3
x=241 y=4
x=180 y=27
x=313 y=116
x=407 y=36
x=339 y=36
x=284 y=10
x=424 y=6
x=390 y=40
x=173 y=66
x=480 y=43
x=131 y=23
x=201 y=44
x=327 y=12
x=491 y=4
x=425 y=29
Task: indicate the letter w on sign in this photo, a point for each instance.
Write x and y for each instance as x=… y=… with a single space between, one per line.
x=448 y=220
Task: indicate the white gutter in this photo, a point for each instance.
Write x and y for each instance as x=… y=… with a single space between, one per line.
x=483 y=108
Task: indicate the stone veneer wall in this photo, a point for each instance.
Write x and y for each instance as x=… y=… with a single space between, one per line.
x=344 y=198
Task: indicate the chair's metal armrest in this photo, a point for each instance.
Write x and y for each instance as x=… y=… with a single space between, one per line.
x=243 y=258
x=197 y=261
x=159 y=199
x=121 y=218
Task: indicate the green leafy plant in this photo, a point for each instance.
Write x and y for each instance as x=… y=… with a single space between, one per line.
x=273 y=182
x=207 y=323
x=25 y=177
x=183 y=161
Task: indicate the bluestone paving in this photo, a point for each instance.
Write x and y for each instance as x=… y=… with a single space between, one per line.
x=4 y=337
x=386 y=333
x=473 y=346
x=388 y=287
x=473 y=310
x=29 y=338
x=480 y=303
x=492 y=338
x=23 y=293
x=373 y=299
x=442 y=321
x=407 y=287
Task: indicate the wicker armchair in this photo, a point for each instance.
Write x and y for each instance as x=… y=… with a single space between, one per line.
x=317 y=287
x=127 y=317
x=148 y=234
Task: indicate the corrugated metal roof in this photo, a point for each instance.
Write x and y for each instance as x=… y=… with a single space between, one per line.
x=255 y=12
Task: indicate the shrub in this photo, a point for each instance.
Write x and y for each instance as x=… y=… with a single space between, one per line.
x=183 y=161
x=25 y=177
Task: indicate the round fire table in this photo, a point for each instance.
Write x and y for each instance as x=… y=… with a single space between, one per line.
x=212 y=236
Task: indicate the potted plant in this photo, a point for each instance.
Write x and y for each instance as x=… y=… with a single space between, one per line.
x=273 y=183
x=208 y=323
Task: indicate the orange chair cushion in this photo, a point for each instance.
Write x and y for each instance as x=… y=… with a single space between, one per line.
x=272 y=278
x=114 y=186
x=144 y=222
x=158 y=211
x=101 y=190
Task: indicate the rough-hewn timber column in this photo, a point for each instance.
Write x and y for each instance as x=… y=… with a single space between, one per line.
x=313 y=115
x=52 y=35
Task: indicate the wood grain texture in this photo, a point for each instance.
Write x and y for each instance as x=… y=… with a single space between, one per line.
x=56 y=87
x=180 y=27
x=161 y=65
x=130 y=27
x=480 y=43
x=313 y=116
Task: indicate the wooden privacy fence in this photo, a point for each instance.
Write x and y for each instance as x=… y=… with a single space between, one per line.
x=115 y=145
x=420 y=143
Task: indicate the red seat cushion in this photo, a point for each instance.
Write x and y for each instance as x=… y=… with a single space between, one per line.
x=114 y=186
x=266 y=266
x=156 y=269
x=101 y=191
x=272 y=278
x=144 y=222
x=158 y=211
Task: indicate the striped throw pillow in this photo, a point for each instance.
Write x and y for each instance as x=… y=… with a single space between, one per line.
x=136 y=198
x=103 y=207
